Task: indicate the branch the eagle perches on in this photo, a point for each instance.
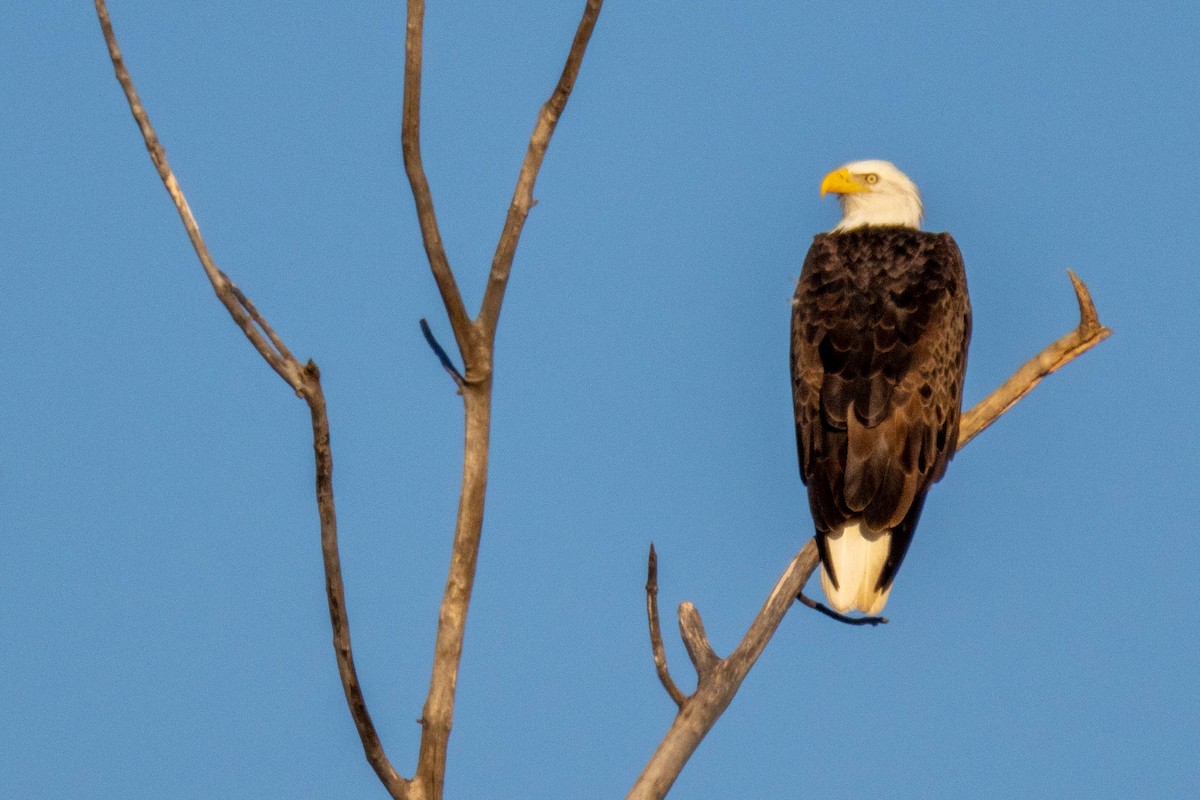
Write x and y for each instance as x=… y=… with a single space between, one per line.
x=718 y=679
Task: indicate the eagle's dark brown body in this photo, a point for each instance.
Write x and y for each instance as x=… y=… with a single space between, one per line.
x=880 y=327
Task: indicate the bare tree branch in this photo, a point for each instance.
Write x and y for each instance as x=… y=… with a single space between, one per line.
x=522 y=201
x=221 y=284
x=656 y=640
x=410 y=144
x=261 y=322
x=695 y=640
x=306 y=381
x=335 y=591
x=1086 y=335
x=476 y=341
x=438 y=713
x=719 y=680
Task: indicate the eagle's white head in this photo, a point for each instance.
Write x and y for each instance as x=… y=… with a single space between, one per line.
x=874 y=193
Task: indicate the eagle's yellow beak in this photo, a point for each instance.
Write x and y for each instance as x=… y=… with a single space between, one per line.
x=840 y=181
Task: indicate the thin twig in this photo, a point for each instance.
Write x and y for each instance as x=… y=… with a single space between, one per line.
x=306 y=381
x=443 y=357
x=262 y=323
x=656 y=640
x=695 y=641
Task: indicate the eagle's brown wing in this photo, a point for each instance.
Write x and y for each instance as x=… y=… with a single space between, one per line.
x=880 y=326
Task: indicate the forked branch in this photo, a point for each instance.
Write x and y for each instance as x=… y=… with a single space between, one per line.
x=719 y=679
x=476 y=342
x=475 y=339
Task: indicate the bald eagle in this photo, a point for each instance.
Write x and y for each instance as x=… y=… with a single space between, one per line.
x=880 y=326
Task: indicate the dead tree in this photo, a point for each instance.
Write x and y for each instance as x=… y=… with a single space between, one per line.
x=475 y=339
x=718 y=679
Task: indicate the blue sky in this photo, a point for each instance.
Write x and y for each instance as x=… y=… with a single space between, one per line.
x=165 y=625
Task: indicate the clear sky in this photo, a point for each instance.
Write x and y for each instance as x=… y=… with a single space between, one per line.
x=165 y=631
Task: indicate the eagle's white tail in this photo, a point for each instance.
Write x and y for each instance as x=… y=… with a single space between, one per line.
x=858 y=555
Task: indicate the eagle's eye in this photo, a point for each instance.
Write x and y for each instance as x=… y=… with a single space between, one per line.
x=871 y=178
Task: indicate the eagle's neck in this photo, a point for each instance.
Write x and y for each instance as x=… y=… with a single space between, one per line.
x=875 y=208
